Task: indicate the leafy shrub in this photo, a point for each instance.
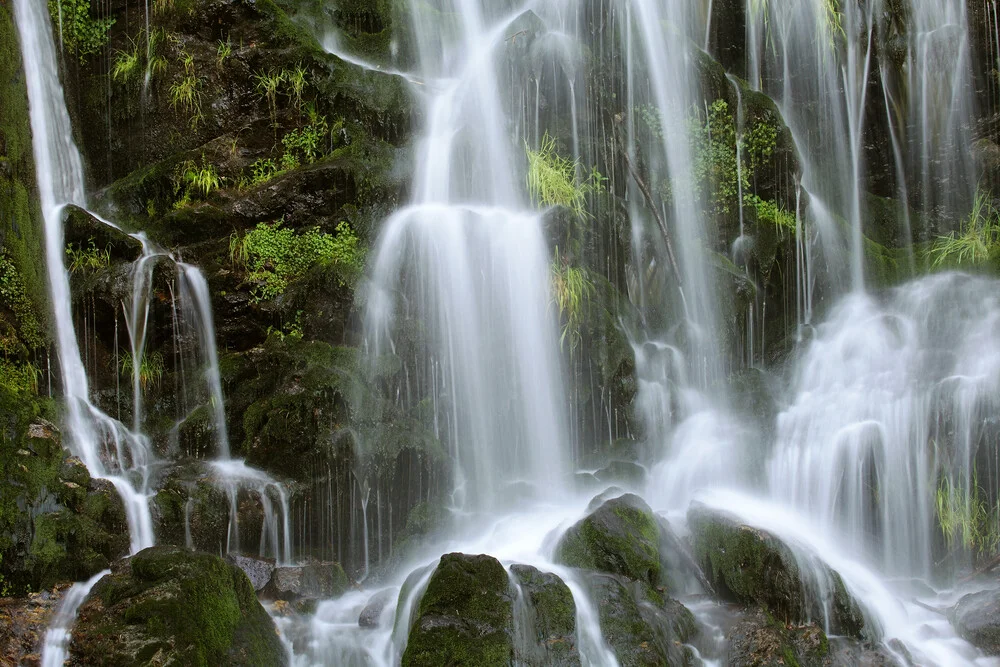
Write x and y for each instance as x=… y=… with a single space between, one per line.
x=275 y=256
x=14 y=298
x=19 y=377
x=81 y=34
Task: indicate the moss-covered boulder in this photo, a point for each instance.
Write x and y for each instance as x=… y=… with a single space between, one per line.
x=166 y=605
x=759 y=640
x=464 y=617
x=976 y=617
x=620 y=537
x=753 y=567
x=545 y=619
x=642 y=626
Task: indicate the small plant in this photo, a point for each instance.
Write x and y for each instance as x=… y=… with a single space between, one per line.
x=262 y=171
x=267 y=84
x=185 y=93
x=296 y=80
x=150 y=368
x=553 y=180
x=194 y=179
x=223 y=52
x=89 y=258
x=965 y=518
x=571 y=290
x=126 y=67
x=308 y=141
x=977 y=238
x=79 y=32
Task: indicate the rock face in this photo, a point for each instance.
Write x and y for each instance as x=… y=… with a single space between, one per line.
x=465 y=615
x=545 y=622
x=316 y=580
x=641 y=625
x=166 y=605
x=977 y=619
x=620 y=537
x=751 y=566
x=372 y=613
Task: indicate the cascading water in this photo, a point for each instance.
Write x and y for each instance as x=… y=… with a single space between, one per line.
x=106 y=447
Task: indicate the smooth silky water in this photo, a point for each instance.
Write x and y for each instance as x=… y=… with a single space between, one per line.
x=468 y=256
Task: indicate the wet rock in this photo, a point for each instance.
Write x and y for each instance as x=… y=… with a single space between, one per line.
x=166 y=605
x=316 y=581
x=258 y=571
x=465 y=615
x=620 y=537
x=547 y=630
x=623 y=472
x=23 y=622
x=372 y=613
x=761 y=641
x=976 y=617
x=751 y=566
x=642 y=626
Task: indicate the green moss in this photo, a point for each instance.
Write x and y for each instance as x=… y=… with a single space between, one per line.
x=464 y=617
x=621 y=537
x=22 y=272
x=188 y=607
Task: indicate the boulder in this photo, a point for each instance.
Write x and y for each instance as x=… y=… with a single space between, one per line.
x=258 y=571
x=642 y=626
x=465 y=615
x=758 y=640
x=751 y=566
x=167 y=605
x=621 y=537
x=315 y=580
x=371 y=615
x=545 y=622
x=976 y=617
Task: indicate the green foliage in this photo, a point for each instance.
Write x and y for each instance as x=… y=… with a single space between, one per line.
x=223 y=52
x=262 y=171
x=151 y=368
x=129 y=68
x=771 y=212
x=89 y=258
x=185 y=92
x=296 y=80
x=81 y=34
x=555 y=181
x=975 y=242
x=309 y=142
x=194 y=179
x=275 y=256
x=125 y=68
x=267 y=85
x=571 y=292
x=14 y=298
x=966 y=519
x=19 y=378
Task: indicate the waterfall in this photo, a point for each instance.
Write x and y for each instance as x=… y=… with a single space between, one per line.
x=55 y=647
x=105 y=446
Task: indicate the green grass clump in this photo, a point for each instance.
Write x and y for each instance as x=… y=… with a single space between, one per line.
x=87 y=258
x=193 y=179
x=975 y=242
x=965 y=517
x=151 y=368
x=571 y=292
x=555 y=181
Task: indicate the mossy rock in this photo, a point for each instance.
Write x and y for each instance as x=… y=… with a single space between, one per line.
x=464 y=617
x=642 y=626
x=166 y=605
x=760 y=641
x=547 y=634
x=312 y=581
x=753 y=567
x=620 y=537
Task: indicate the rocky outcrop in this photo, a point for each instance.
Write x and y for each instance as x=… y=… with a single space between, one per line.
x=171 y=606
x=753 y=567
x=976 y=617
x=465 y=615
